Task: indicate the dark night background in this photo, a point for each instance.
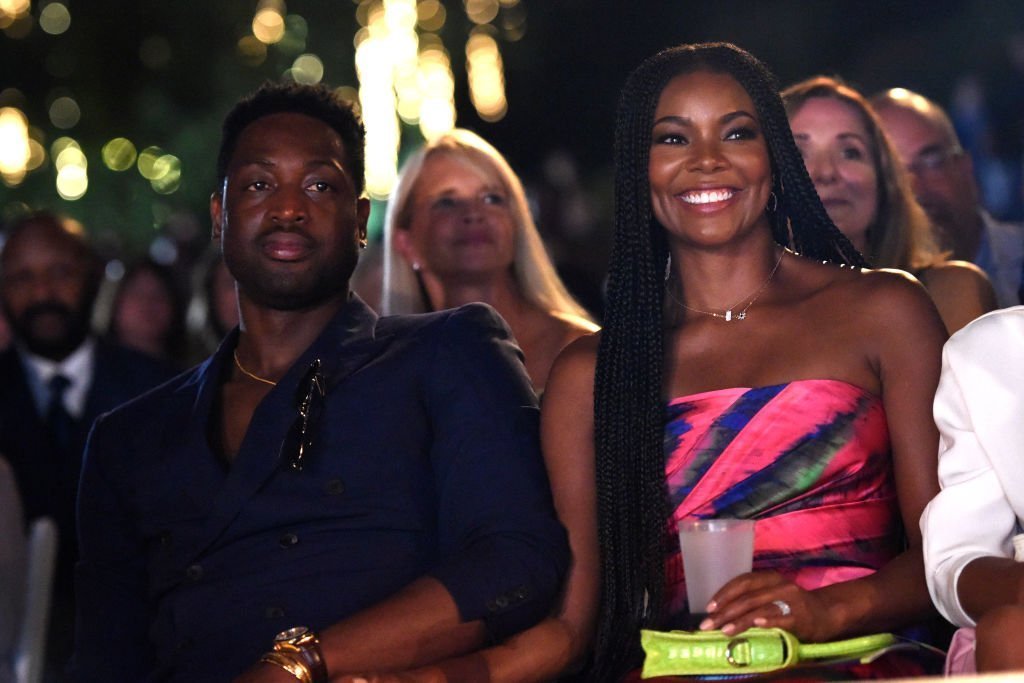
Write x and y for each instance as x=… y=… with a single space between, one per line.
x=562 y=80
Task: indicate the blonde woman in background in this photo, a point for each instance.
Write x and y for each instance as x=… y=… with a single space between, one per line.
x=867 y=194
x=458 y=229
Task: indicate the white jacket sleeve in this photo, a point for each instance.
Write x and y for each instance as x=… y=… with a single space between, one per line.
x=978 y=409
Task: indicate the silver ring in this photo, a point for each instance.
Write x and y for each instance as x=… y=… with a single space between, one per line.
x=783 y=607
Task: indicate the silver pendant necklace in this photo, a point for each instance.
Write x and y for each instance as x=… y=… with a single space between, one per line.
x=730 y=313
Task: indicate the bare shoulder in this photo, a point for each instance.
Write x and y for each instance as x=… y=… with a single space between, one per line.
x=887 y=297
x=579 y=358
x=575 y=365
x=955 y=275
x=961 y=291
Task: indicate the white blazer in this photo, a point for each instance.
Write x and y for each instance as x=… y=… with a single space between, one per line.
x=979 y=409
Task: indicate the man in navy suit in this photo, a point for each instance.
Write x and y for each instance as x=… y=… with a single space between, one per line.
x=57 y=378
x=331 y=492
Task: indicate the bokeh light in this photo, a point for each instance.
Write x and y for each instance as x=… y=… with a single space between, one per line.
x=64 y=112
x=16 y=26
x=268 y=25
x=166 y=174
x=251 y=51
x=486 y=75
x=431 y=15
x=147 y=162
x=12 y=12
x=308 y=69
x=72 y=168
x=481 y=11
x=55 y=19
x=119 y=154
x=15 y=151
x=72 y=182
x=296 y=30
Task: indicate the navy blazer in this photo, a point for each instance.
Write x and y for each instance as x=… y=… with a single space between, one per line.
x=425 y=461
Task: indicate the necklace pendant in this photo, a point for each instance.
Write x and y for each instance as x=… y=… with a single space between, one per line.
x=742 y=315
x=728 y=316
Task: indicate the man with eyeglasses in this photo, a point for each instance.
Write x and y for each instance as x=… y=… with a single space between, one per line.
x=943 y=180
x=330 y=493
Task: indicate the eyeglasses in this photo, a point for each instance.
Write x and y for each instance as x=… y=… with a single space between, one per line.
x=932 y=161
x=309 y=400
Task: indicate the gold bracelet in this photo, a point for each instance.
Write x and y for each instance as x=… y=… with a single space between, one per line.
x=290 y=664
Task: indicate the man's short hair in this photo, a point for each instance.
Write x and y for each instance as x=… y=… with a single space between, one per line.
x=317 y=101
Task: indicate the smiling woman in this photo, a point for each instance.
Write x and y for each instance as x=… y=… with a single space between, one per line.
x=749 y=367
x=458 y=229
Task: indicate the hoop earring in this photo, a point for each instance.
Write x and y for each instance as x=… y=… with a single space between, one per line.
x=773 y=203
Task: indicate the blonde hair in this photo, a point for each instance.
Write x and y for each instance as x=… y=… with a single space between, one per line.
x=901 y=235
x=533 y=271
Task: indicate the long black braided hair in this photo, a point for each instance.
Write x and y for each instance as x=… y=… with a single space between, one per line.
x=629 y=406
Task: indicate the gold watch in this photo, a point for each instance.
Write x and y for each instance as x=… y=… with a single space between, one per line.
x=297 y=651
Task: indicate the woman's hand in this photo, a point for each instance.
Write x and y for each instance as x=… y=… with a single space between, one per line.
x=767 y=599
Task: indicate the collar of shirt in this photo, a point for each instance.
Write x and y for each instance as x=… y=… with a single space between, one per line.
x=77 y=367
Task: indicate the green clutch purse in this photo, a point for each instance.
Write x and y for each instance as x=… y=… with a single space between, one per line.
x=758 y=650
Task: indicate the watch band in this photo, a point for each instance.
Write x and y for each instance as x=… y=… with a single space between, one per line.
x=297 y=650
x=288 y=664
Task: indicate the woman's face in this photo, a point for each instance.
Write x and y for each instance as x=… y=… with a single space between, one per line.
x=836 y=148
x=709 y=169
x=460 y=221
x=145 y=310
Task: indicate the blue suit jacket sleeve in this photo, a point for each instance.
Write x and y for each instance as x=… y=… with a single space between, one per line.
x=504 y=552
x=113 y=617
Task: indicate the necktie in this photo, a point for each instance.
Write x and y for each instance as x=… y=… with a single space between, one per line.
x=58 y=420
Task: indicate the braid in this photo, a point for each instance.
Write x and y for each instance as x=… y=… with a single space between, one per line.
x=629 y=406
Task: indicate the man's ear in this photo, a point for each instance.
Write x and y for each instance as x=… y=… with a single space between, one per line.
x=217 y=214
x=363 y=216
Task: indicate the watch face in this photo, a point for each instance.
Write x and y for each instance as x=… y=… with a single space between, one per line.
x=291 y=634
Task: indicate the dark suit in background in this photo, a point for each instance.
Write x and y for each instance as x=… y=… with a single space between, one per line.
x=46 y=473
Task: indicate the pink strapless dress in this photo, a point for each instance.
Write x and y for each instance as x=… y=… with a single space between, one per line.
x=808 y=460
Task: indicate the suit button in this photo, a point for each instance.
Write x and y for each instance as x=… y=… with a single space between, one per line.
x=334 y=487
x=288 y=540
x=274 y=612
x=194 y=572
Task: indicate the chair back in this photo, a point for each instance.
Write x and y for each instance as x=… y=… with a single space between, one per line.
x=30 y=648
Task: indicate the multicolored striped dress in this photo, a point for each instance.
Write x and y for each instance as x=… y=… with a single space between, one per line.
x=809 y=460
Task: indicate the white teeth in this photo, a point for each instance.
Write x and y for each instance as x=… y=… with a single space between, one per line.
x=706 y=197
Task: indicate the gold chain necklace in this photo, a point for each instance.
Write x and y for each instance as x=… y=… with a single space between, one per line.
x=245 y=372
x=728 y=315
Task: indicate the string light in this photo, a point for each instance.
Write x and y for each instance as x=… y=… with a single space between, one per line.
x=405 y=74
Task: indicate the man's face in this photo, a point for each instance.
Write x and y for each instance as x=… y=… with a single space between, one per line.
x=48 y=287
x=942 y=173
x=288 y=218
